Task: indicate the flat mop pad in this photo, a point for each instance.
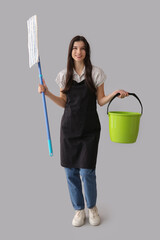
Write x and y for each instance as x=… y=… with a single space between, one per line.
x=33 y=40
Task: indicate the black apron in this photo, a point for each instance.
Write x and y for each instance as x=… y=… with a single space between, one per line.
x=80 y=128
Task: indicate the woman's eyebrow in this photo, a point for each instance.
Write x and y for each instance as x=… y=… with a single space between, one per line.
x=80 y=47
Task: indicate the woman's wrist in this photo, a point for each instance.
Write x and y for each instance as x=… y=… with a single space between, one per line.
x=47 y=93
x=115 y=92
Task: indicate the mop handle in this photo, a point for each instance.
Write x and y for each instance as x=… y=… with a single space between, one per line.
x=45 y=111
x=133 y=94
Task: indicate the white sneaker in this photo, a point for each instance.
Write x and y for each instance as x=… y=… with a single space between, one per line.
x=94 y=218
x=79 y=218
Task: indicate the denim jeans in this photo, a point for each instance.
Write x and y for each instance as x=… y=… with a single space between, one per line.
x=88 y=176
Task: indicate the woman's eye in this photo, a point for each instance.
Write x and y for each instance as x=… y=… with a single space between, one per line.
x=75 y=48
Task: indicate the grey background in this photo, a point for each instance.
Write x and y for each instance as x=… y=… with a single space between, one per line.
x=34 y=201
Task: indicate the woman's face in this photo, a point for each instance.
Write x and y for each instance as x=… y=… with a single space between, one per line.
x=78 y=51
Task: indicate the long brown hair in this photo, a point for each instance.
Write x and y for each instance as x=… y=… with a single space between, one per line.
x=87 y=63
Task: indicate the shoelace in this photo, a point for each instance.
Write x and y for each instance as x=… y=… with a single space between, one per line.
x=79 y=213
x=94 y=212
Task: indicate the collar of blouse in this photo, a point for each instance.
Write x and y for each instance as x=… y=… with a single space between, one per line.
x=79 y=77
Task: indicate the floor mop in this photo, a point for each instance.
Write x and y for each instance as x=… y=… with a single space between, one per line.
x=35 y=58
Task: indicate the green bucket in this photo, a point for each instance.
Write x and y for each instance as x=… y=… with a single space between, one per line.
x=124 y=126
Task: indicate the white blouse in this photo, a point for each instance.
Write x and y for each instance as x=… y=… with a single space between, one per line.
x=98 y=76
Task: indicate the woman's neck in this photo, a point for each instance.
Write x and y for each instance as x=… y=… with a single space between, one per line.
x=78 y=66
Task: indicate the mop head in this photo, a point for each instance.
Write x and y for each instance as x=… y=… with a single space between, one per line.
x=33 y=40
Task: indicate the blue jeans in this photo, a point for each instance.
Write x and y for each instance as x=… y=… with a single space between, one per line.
x=88 y=176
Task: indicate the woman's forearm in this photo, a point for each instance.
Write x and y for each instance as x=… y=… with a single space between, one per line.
x=58 y=100
x=106 y=99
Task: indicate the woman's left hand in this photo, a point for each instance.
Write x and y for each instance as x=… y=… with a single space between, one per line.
x=123 y=93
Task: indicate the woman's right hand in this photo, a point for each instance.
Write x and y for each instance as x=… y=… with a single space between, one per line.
x=43 y=88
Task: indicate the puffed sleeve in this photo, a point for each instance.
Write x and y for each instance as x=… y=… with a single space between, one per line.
x=99 y=76
x=61 y=78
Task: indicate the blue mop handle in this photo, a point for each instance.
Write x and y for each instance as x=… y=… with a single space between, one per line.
x=45 y=111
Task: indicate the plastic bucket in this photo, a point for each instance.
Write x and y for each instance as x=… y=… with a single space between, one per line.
x=124 y=126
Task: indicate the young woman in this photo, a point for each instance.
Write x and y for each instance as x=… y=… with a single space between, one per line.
x=81 y=87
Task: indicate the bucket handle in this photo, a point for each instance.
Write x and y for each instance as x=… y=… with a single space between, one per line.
x=133 y=94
